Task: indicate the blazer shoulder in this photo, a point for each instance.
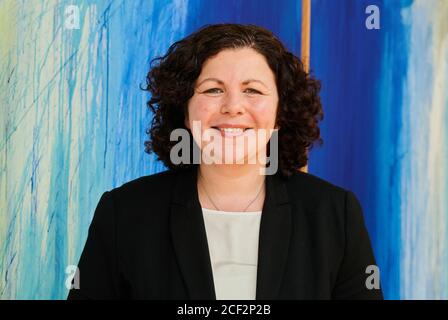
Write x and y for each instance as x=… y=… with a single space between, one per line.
x=313 y=184
x=316 y=191
x=145 y=186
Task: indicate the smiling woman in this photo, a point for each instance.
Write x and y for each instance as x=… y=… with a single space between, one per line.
x=239 y=69
x=229 y=230
x=234 y=105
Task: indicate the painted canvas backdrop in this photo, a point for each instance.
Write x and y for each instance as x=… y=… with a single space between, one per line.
x=73 y=120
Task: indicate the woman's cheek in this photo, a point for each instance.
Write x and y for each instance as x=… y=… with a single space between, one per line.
x=206 y=107
x=197 y=107
x=264 y=114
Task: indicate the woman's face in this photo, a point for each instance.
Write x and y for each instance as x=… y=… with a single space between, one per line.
x=235 y=102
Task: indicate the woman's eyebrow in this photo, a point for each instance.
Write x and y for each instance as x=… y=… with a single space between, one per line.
x=210 y=79
x=221 y=82
x=255 y=80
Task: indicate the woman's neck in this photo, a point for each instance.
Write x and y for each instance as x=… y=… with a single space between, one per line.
x=231 y=187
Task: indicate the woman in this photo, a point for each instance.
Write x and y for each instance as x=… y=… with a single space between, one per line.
x=243 y=222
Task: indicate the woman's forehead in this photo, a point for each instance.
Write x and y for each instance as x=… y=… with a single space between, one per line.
x=241 y=56
x=242 y=65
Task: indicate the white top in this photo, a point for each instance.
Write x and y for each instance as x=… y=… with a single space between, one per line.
x=233 y=245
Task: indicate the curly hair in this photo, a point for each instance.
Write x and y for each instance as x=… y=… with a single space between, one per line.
x=172 y=77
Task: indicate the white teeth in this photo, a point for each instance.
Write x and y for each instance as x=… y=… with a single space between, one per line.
x=232 y=130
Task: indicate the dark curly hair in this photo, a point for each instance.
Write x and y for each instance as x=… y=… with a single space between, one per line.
x=172 y=77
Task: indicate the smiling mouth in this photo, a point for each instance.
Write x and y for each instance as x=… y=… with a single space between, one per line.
x=231 y=131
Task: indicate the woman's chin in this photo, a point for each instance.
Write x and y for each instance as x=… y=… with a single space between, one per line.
x=230 y=159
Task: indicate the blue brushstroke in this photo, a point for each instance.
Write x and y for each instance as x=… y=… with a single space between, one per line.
x=362 y=73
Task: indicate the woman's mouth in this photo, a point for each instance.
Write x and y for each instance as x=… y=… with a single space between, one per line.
x=231 y=131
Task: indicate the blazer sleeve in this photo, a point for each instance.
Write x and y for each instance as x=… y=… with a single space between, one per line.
x=358 y=255
x=98 y=265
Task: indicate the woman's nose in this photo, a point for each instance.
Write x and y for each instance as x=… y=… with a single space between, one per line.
x=233 y=104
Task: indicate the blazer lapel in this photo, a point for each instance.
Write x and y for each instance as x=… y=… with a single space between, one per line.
x=274 y=238
x=190 y=239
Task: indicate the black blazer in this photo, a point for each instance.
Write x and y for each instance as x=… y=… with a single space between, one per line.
x=147 y=240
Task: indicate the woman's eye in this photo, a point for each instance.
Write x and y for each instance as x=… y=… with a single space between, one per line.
x=217 y=90
x=253 y=91
x=213 y=90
